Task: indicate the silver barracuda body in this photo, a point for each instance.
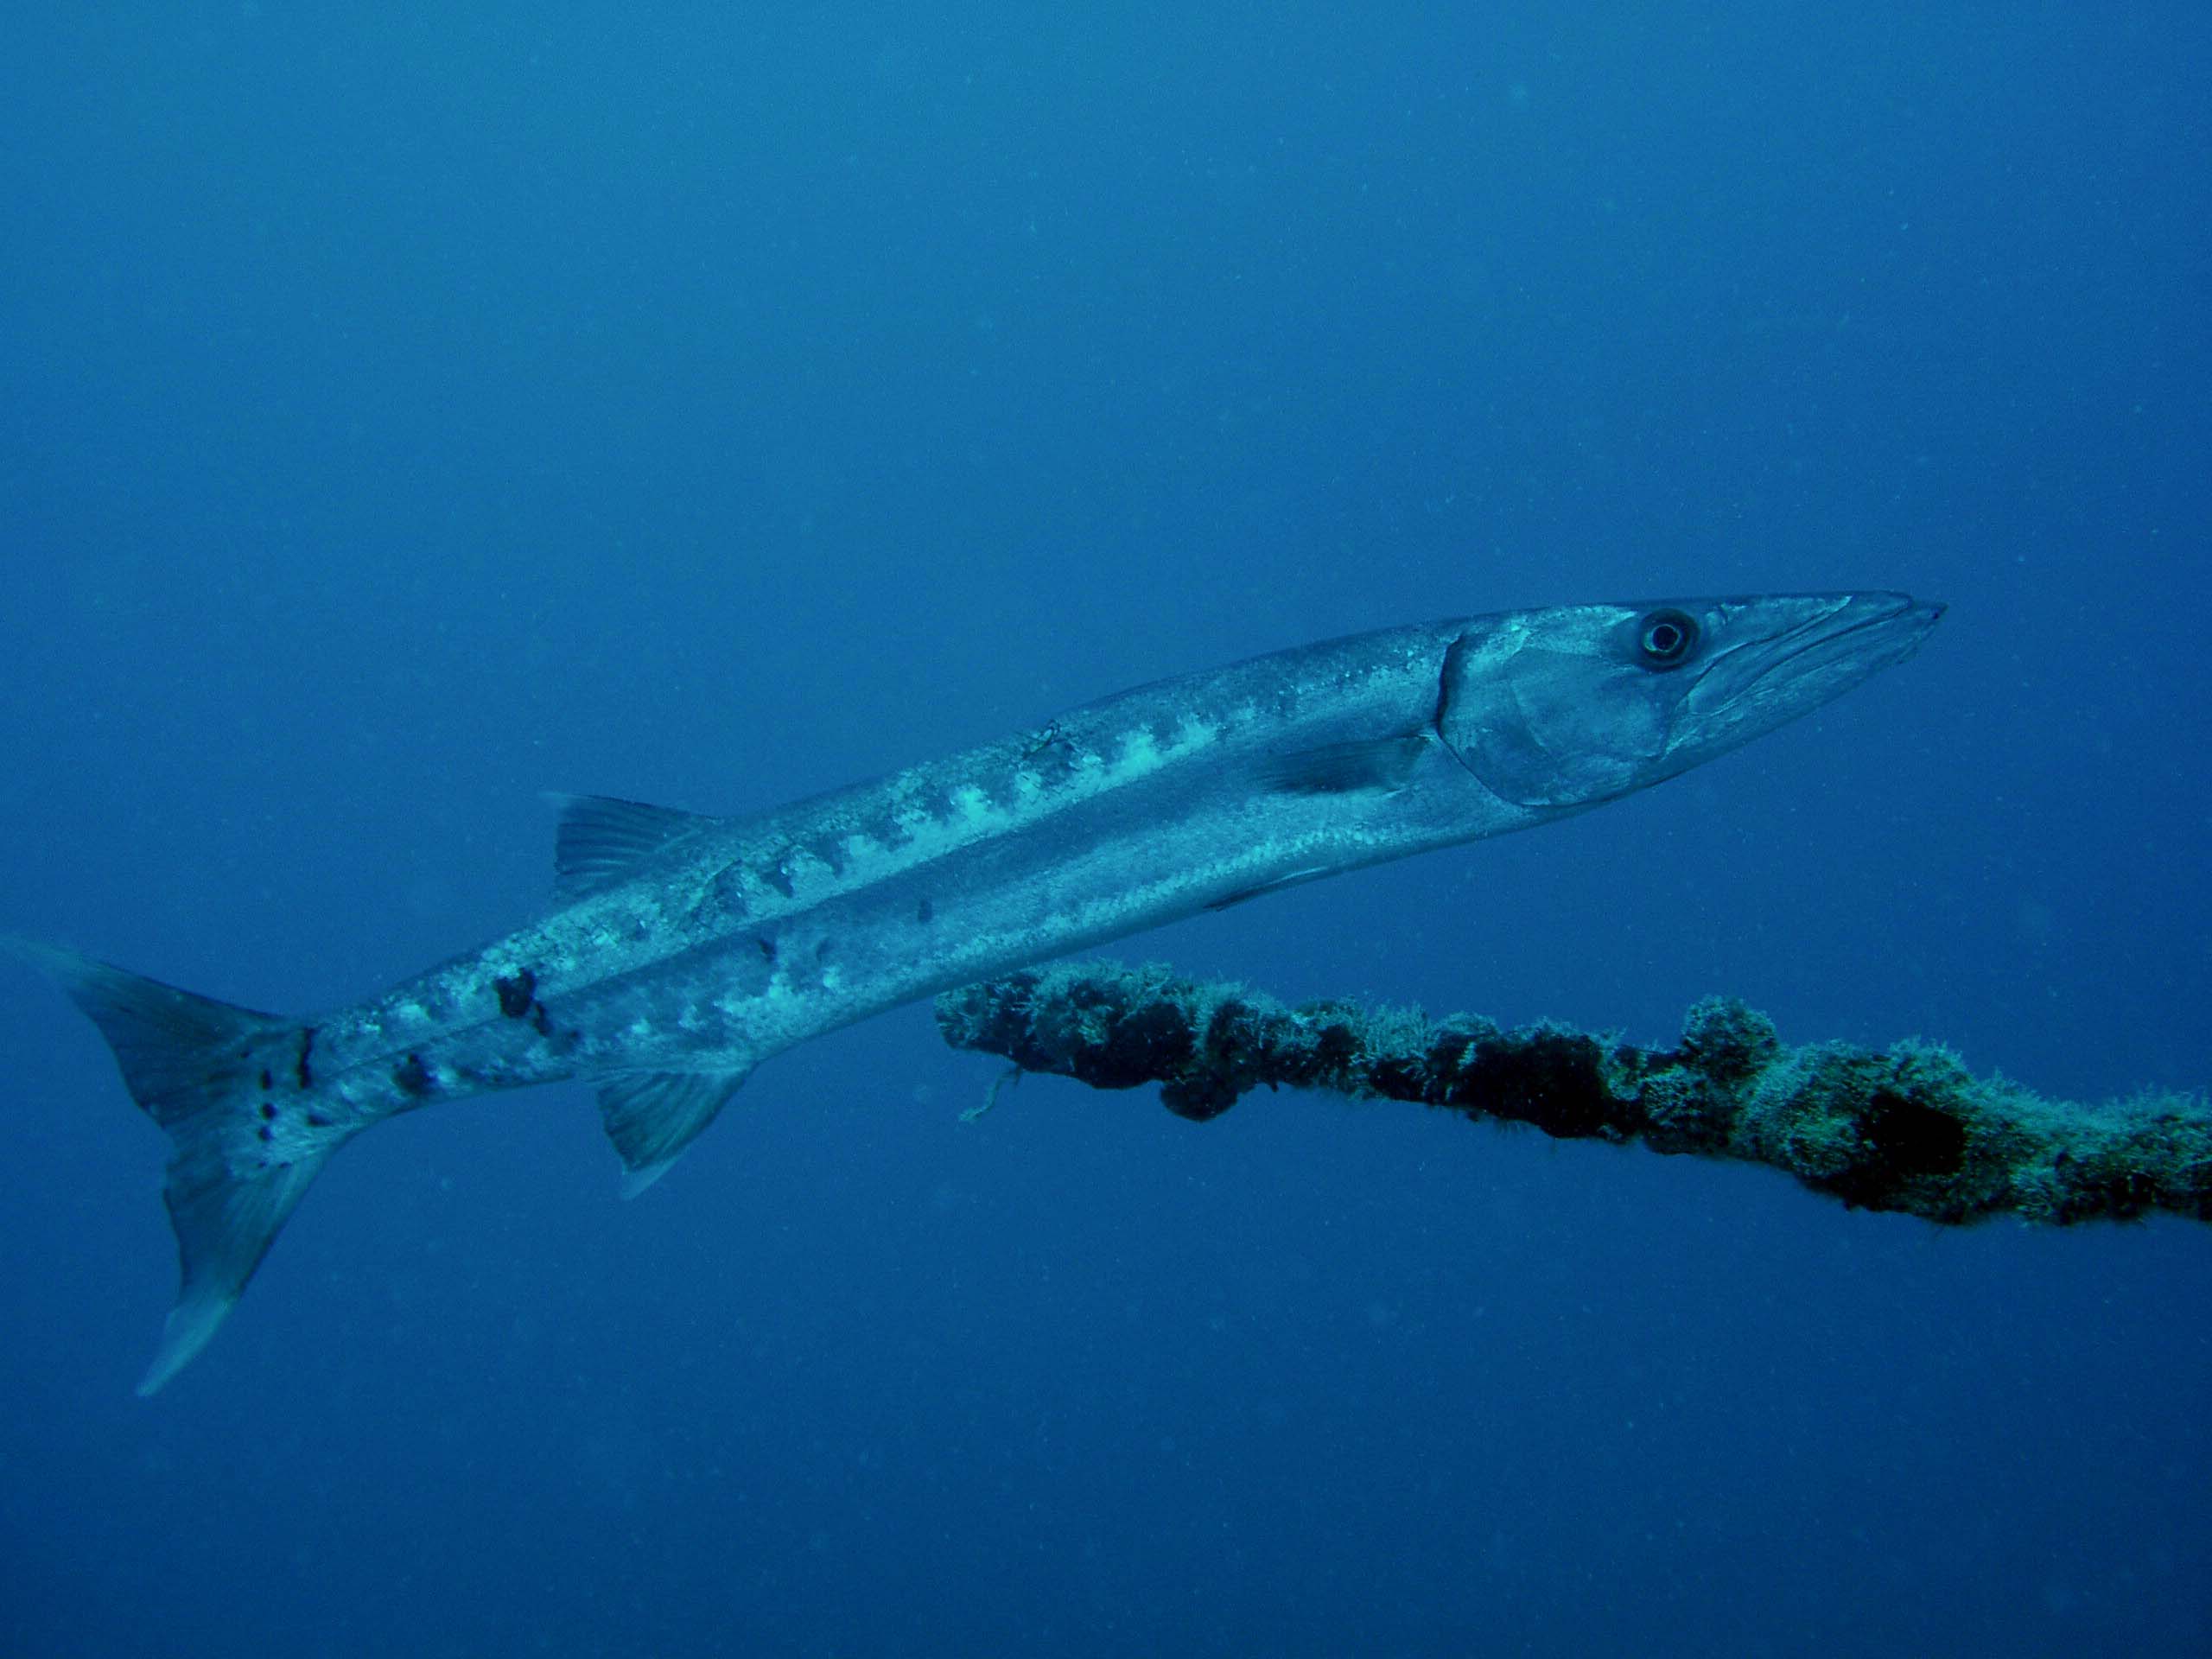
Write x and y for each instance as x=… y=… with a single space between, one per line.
x=682 y=950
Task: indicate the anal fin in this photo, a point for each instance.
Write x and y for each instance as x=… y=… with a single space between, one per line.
x=602 y=840
x=652 y=1116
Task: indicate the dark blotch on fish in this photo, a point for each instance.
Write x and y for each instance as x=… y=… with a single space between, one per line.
x=517 y=993
x=413 y=1077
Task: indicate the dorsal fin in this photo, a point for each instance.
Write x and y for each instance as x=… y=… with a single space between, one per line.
x=601 y=839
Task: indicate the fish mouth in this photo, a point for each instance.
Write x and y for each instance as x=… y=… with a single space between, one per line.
x=1819 y=656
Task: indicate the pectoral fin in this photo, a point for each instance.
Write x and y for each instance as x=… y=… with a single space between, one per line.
x=1342 y=768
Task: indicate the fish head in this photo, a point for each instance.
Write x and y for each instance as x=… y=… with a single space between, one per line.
x=1564 y=709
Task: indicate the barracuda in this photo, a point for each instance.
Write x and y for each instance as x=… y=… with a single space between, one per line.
x=682 y=950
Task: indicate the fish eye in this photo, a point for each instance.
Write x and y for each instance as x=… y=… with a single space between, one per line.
x=1666 y=638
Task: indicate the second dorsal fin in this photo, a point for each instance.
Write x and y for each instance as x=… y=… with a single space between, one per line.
x=601 y=839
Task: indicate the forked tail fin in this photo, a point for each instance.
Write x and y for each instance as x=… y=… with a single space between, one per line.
x=246 y=1146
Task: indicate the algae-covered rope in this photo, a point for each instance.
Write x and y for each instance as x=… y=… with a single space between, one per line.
x=1904 y=1129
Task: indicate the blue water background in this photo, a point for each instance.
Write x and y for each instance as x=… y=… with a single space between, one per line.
x=405 y=410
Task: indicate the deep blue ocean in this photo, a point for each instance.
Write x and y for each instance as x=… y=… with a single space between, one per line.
x=407 y=409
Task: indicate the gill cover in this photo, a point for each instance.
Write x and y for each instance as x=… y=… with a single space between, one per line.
x=1570 y=707
x=1564 y=709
